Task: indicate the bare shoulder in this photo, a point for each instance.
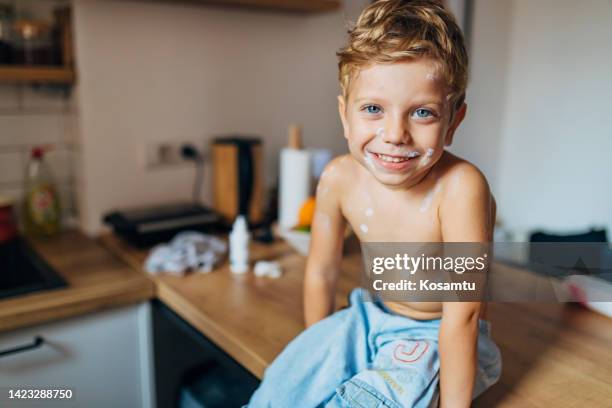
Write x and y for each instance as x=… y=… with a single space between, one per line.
x=340 y=165
x=331 y=185
x=460 y=177
x=467 y=208
x=336 y=172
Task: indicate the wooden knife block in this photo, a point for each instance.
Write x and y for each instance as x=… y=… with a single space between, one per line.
x=225 y=173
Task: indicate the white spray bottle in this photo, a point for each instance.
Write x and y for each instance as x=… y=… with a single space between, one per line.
x=239 y=245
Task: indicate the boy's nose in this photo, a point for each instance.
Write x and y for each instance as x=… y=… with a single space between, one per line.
x=397 y=132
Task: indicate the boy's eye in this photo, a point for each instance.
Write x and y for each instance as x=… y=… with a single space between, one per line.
x=372 y=109
x=423 y=113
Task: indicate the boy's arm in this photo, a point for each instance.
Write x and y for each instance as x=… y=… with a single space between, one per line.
x=325 y=254
x=465 y=217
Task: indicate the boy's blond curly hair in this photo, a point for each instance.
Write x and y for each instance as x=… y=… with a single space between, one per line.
x=393 y=30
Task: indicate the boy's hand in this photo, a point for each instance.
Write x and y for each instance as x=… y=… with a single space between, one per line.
x=466 y=215
x=327 y=239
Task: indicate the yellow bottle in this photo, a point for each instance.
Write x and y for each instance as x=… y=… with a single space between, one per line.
x=41 y=205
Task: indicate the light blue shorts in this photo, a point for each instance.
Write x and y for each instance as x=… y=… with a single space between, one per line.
x=366 y=356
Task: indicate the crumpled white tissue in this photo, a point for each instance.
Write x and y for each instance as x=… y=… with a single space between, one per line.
x=271 y=269
x=188 y=250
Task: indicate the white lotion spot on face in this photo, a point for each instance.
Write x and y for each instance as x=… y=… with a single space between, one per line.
x=430 y=76
x=363 y=228
x=426 y=203
x=369 y=212
x=369 y=160
x=380 y=132
x=430 y=153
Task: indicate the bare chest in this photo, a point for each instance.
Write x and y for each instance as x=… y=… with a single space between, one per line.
x=393 y=217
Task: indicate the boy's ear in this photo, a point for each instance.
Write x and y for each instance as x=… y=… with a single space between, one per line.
x=342 y=112
x=457 y=119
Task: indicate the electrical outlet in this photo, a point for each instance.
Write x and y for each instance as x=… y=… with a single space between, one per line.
x=164 y=154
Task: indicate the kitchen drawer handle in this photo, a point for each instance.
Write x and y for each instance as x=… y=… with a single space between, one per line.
x=38 y=341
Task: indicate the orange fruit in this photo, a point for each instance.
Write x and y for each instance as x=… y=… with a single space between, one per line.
x=306 y=213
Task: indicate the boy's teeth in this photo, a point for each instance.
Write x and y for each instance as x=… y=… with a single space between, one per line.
x=393 y=159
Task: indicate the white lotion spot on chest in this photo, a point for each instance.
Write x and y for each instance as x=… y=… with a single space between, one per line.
x=427 y=200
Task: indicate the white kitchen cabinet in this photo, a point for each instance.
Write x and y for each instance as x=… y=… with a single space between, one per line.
x=105 y=358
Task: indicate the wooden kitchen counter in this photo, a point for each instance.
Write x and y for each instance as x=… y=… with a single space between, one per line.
x=553 y=355
x=251 y=318
x=97 y=279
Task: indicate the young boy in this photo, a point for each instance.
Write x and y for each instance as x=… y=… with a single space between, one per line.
x=403 y=76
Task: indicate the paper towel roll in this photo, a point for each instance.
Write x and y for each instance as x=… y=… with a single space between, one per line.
x=295 y=178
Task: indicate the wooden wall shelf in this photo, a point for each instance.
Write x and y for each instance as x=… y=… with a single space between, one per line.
x=36 y=74
x=304 y=6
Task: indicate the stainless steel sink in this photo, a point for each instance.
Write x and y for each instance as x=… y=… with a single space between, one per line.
x=22 y=270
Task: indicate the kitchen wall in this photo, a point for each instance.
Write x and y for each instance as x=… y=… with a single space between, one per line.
x=537 y=97
x=479 y=137
x=539 y=123
x=32 y=117
x=554 y=164
x=153 y=71
x=38 y=116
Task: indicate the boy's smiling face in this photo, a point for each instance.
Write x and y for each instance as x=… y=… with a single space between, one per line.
x=397 y=120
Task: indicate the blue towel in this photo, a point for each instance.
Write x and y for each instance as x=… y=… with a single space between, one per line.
x=367 y=356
